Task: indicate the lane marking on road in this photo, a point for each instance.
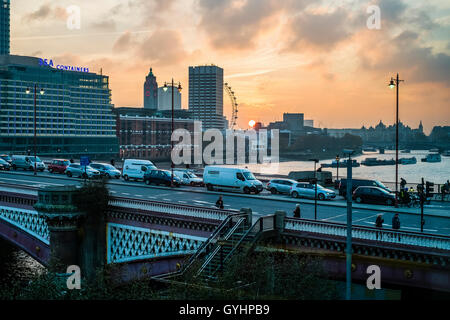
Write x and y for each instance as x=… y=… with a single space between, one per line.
x=365 y=218
x=127 y=194
x=165 y=199
x=181 y=201
x=34 y=182
x=113 y=191
x=138 y=195
x=334 y=217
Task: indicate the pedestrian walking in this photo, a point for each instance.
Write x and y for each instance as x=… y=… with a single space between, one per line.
x=219 y=203
x=379 y=224
x=402 y=183
x=379 y=221
x=113 y=162
x=297 y=211
x=396 y=224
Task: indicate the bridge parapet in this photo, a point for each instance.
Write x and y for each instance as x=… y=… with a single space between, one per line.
x=173 y=209
x=418 y=240
x=27 y=220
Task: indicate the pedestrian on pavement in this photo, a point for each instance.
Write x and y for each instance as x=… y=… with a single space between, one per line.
x=402 y=183
x=396 y=222
x=219 y=203
x=71 y=161
x=379 y=225
x=379 y=221
x=112 y=162
x=297 y=211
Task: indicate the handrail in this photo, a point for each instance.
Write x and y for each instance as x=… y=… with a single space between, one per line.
x=171 y=208
x=200 y=250
x=257 y=223
x=229 y=234
x=370 y=233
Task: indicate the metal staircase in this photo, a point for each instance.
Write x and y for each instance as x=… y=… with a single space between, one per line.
x=240 y=238
x=235 y=234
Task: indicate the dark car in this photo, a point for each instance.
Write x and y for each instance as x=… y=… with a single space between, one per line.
x=161 y=177
x=6 y=158
x=359 y=183
x=374 y=195
x=4 y=165
x=58 y=165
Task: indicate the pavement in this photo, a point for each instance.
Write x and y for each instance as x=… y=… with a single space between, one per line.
x=437 y=216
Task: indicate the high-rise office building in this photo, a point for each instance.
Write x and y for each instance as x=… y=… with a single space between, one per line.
x=165 y=98
x=4 y=26
x=150 y=91
x=73 y=114
x=206 y=96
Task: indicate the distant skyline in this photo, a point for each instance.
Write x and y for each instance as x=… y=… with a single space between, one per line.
x=317 y=58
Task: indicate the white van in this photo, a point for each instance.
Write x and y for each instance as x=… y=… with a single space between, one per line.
x=135 y=169
x=231 y=179
x=188 y=177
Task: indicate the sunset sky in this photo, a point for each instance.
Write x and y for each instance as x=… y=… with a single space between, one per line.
x=314 y=57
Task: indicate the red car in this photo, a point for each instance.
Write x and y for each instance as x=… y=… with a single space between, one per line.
x=58 y=165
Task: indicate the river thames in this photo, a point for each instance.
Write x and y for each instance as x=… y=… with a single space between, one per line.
x=438 y=172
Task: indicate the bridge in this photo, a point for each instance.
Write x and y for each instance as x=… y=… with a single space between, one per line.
x=164 y=240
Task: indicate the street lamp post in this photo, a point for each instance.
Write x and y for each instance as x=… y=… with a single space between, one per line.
x=315 y=187
x=395 y=83
x=337 y=167
x=171 y=141
x=348 y=251
x=35 y=93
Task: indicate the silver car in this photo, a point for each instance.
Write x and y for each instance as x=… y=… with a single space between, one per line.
x=280 y=185
x=307 y=190
x=106 y=170
x=77 y=170
x=27 y=163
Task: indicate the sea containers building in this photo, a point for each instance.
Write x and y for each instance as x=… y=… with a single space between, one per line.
x=73 y=115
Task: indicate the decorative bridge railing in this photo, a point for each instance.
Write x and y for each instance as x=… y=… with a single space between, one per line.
x=130 y=242
x=173 y=209
x=369 y=233
x=26 y=220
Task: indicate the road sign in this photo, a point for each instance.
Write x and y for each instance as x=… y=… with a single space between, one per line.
x=84 y=160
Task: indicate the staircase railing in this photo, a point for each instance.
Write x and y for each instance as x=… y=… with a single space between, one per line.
x=239 y=224
x=263 y=224
x=222 y=229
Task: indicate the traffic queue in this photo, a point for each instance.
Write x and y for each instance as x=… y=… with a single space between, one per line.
x=215 y=178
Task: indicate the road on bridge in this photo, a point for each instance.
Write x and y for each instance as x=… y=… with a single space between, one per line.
x=262 y=204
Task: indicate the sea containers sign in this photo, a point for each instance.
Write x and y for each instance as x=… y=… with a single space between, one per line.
x=49 y=62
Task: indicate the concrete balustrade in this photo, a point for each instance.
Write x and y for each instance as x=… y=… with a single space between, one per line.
x=175 y=209
x=371 y=234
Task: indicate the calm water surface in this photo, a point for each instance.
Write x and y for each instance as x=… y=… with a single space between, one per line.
x=413 y=173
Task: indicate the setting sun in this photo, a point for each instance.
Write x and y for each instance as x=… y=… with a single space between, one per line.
x=252 y=123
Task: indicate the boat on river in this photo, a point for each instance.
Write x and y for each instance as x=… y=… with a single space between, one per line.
x=375 y=162
x=342 y=164
x=432 y=157
x=411 y=160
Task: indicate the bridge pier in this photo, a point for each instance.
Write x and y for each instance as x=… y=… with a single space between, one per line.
x=75 y=238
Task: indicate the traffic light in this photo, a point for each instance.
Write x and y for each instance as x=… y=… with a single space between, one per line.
x=429 y=188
